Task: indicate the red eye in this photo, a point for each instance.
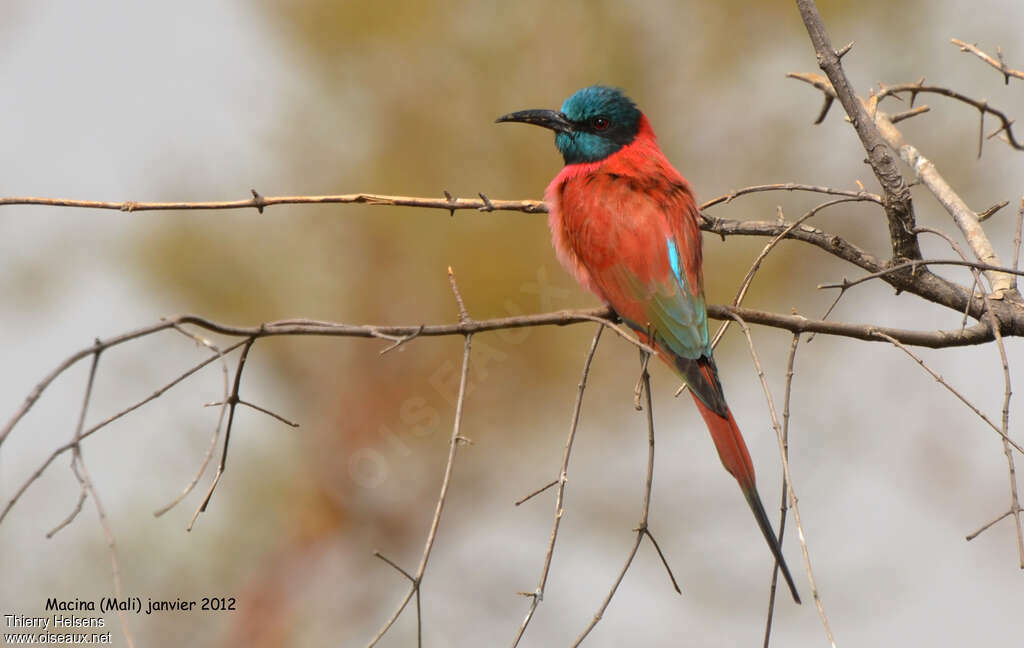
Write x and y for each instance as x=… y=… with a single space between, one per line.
x=600 y=123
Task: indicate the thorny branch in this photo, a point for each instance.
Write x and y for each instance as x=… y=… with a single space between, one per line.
x=537 y=595
x=783 y=505
x=899 y=208
x=1015 y=508
x=787 y=476
x=998 y=63
x=641 y=529
x=453 y=444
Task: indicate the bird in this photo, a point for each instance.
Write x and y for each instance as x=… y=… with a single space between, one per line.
x=624 y=222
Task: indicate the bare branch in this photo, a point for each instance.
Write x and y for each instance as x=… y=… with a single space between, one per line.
x=999 y=64
x=563 y=478
x=793 y=500
x=463 y=315
x=791 y=186
x=963 y=216
x=924 y=284
x=76 y=454
x=1006 y=124
x=537 y=492
x=942 y=381
x=756 y=264
x=1017 y=235
x=792 y=323
x=453 y=445
x=215 y=436
x=233 y=400
x=87 y=489
x=1015 y=508
x=259 y=202
x=641 y=529
x=899 y=208
x=846 y=283
x=783 y=507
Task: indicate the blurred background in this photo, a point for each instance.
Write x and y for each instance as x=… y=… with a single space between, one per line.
x=205 y=100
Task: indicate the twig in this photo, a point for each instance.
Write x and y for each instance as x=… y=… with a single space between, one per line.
x=929 y=287
x=1000 y=64
x=791 y=323
x=463 y=315
x=792 y=186
x=882 y=129
x=85 y=481
x=925 y=284
x=1017 y=235
x=256 y=407
x=982 y=106
x=964 y=217
x=641 y=529
x=563 y=478
x=845 y=283
x=453 y=445
x=913 y=112
x=535 y=493
x=756 y=265
x=988 y=212
x=76 y=449
x=215 y=436
x=899 y=208
x=783 y=508
x=259 y=202
x=793 y=500
x=402 y=340
x=111 y=545
x=985 y=527
x=972 y=335
x=1015 y=508
x=411 y=578
x=233 y=400
x=942 y=381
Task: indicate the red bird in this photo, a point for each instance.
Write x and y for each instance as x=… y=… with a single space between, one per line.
x=624 y=222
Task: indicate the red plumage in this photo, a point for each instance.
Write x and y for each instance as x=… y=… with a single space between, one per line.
x=612 y=223
x=625 y=223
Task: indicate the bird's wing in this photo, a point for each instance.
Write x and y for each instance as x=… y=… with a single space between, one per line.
x=641 y=247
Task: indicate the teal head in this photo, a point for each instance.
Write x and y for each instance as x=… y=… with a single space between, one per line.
x=593 y=123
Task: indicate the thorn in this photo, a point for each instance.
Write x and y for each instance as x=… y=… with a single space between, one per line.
x=398 y=344
x=451 y=203
x=981 y=125
x=1005 y=127
x=1002 y=65
x=907 y=114
x=988 y=213
x=824 y=109
x=885 y=92
x=488 y=206
x=258 y=201
x=913 y=94
x=843 y=51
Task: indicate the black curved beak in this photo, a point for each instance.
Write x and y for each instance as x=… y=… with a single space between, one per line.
x=552 y=119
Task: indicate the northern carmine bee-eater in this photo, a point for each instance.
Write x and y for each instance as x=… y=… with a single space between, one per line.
x=624 y=222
